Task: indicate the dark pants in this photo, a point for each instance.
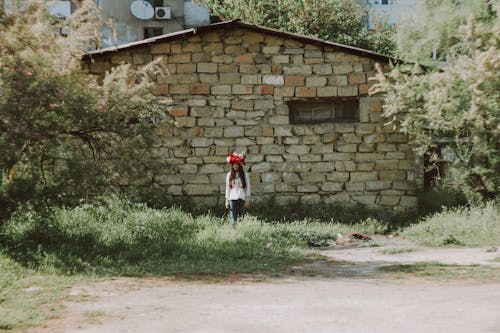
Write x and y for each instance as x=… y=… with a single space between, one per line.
x=236 y=210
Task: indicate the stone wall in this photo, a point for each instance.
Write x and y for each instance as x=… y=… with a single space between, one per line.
x=229 y=91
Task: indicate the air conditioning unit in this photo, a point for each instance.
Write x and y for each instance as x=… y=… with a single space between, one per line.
x=162 y=13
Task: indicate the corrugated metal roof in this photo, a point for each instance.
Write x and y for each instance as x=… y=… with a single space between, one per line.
x=236 y=24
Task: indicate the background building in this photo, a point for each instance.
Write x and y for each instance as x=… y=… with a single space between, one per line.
x=388 y=11
x=168 y=16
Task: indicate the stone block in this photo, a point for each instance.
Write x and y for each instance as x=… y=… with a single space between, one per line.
x=209 y=78
x=277 y=80
x=346 y=147
x=358 y=78
x=381 y=147
x=187 y=168
x=279 y=120
x=407 y=201
x=397 y=176
x=316 y=81
x=327 y=91
x=307 y=188
x=347 y=91
x=363 y=128
x=378 y=185
x=366 y=148
x=396 y=138
x=367 y=200
x=341 y=197
x=221 y=90
x=185 y=121
x=201 y=189
x=365 y=166
x=160 y=48
x=332 y=186
x=387 y=165
x=248 y=69
x=244 y=59
x=173 y=141
x=186 y=68
x=397 y=155
x=229 y=78
x=345 y=166
x=179 y=111
x=197 y=102
x=199 y=89
x=267 y=89
x=261 y=167
x=337 y=80
x=310 y=158
x=322 y=69
x=207 y=67
x=297 y=70
x=239 y=89
x=201 y=142
x=280 y=59
x=234 y=131
x=389 y=200
x=179 y=89
x=344 y=68
x=337 y=176
x=272 y=149
x=295 y=80
x=265 y=140
x=403 y=184
x=344 y=128
x=363 y=176
x=337 y=157
x=324 y=128
x=250 y=79
x=263 y=104
x=323 y=167
x=407 y=165
x=213 y=132
x=354 y=186
x=271 y=49
x=284 y=91
x=305 y=92
x=369 y=157
x=181 y=58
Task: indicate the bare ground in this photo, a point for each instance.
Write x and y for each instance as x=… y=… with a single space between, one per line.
x=347 y=291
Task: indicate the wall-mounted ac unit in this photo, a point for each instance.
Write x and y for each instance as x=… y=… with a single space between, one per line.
x=162 y=13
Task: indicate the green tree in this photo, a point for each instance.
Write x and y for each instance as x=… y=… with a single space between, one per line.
x=65 y=135
x=340 y=21
x=454 y=107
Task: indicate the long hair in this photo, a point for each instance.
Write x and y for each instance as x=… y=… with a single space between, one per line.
x=241 y=173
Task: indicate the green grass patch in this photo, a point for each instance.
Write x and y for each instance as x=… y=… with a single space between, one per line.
x=29 y=297
x=463 y=226
x=478 y=273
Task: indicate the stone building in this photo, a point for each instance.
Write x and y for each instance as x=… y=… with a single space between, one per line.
x=298 y=106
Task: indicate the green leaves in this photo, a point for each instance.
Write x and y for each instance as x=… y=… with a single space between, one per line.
x=456 y=107
x=338 y=21
x=64 y=135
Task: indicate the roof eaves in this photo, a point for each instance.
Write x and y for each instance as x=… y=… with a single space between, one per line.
x=258 y=28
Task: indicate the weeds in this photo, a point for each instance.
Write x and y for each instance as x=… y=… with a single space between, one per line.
x=462 y=226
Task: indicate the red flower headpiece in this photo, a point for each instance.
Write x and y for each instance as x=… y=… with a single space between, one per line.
x=235 y=158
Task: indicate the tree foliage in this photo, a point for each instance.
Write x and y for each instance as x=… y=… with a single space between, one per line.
x=455 y=108
x=65 y=135
x=338 y=21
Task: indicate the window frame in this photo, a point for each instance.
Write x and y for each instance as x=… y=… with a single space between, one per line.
x=293 y=110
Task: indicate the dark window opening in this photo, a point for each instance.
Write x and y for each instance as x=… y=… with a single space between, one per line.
x=338 y=110
x=152 y=32
x=156 y=3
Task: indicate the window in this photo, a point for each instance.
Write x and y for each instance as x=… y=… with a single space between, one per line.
x=380 y=2
x=152 y=32
x=156 y=3
x=338 y=110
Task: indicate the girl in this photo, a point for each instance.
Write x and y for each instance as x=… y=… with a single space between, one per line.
x=237 y=188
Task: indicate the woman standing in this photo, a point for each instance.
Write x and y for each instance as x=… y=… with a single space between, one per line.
x=237 y=188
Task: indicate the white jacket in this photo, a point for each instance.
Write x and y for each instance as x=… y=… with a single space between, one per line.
x=237 y=191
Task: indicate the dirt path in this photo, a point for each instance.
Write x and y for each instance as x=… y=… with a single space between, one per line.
x=348 y=293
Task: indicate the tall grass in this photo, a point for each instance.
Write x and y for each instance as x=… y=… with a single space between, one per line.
x=120 y=238
x=460 y=226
